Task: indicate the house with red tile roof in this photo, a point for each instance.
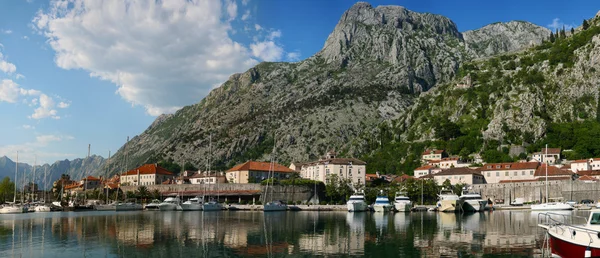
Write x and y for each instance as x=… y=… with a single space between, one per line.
x=423 y=171
x=459 y=176
x=547 y=155
x=434 y=154
x=207 y=177
x=552 y=172
x=496 y=172
x=256 y=171
x=350 y=169
x=148 y=174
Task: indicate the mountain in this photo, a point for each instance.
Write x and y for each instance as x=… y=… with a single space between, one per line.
x=373 y=69
x=77 y=169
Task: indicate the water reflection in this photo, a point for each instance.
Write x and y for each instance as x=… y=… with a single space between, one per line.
x=254 y=234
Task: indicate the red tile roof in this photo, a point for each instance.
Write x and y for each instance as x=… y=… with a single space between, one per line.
x=91 y=178
x=511 y=166
x=427 y=152
x=402 y=178
x=580 y=161
x=552 y=171
x=148 y=169
x=518 y=181
x=371 y=177
x=449 y=159
x=458 y=171
x=589 y=173
x=260 y=166
x=427 y=167
x=587 y=178
x=550 y=151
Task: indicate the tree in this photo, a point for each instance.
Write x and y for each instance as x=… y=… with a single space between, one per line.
x=7 y=190
x=130 y=195
x=447 y=184
x=190 y=166
x=142 y=192
x=338 y=189
x=552 y=39
x=155 y=194
x=572 y=31
x=585 y=24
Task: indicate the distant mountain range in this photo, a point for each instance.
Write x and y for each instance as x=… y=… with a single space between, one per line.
x=77 y=169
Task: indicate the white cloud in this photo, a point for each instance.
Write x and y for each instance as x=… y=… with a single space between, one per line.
x=246 y=15
x=63 y=105
x=30 y=150
x=19 y=76
x=267 y=50
x=9 y=91
x=27 y=127
x=231 y=9
x=161 y=54
x=274 y=34
x=46 y=108
x=557 y=24
x=25 y=38
x=245 y=2
x=293 y=56
x=7 y=31
x=5 y=66
x=257 y=27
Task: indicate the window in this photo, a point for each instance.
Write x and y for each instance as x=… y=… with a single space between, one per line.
x=507 y=166
x=489 y=166
x=531 y=172
x=515 y=173
x=488 y=174
x=506 y=173
x=350 y=171
x=359 y=171
x=497 y=173
x=522 y=173
x=497 y=166
x=340 y=171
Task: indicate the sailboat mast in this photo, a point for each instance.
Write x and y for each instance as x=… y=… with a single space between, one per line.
x=106 y=179
x=544 y=159
x=16 y=171
x=45 y=184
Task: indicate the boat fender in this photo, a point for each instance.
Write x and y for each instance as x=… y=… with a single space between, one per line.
x=599 y=235
x=588 y=252
x=574 y=232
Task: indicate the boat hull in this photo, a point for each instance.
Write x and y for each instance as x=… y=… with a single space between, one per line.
x=403 y=206
x=11 y=210
x=167 y=207
x=564 y=248
x=474 y=205
x=106 y=207
x=152 y=207
x=42 y=208
x=191 y=207
x=356 y=206
x=449 y=205
x=274 y=207
x=212 y=207
x=382 y=208
x=551 y=207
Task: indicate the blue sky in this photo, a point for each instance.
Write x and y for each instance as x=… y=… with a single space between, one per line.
x=78 y=72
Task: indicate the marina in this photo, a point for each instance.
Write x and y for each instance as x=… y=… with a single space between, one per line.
x=252 y=233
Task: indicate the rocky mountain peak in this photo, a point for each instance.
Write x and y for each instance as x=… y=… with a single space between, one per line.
x=502 y=37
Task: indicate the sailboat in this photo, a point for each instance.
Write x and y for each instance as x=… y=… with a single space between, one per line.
x=107 y=206
x=272 y=205
x=546 y=206
x=14 y=208
x=212 y=204
x=43 y=207
x=128 y=205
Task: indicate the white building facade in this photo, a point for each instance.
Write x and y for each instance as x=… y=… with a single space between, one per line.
x=344 y=168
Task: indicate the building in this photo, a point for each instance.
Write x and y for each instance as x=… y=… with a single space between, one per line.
x=423 y=171
x=345 y=168
x=256 y=171
x=459 y=176
x=208 y=178
x=554 y=173
x=453 y=162
x=591 y=173
x=547 y=155
x=149 y=174
x=580 y=165
x=497 y=172
x=432 y=155
x=296 y=166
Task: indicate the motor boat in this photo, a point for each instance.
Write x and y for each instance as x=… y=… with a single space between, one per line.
x=357 y=202
x=42 y=208
x=448 y=201
x=11 y=209
x=153 y=205
x=402 y=202
x=382 y=203
x=551 y=206
x=275 y=206
x=169 y=204
x=572 y=240
x=128 y=206
x=472 y=201
x=193 y=204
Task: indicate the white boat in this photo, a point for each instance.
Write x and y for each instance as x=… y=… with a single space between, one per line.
x=169 y=204
x=472 y=201
x=382 y=203
x=106 y=207
x=357 y=202
x=275 y=206
x=551 y=206
x=42 y=208
x=153 y=205
x=572 y=240
x=212 y=205
x=11 y=209
x=448 y=201
x=402 y=202
x=128 y=206
x=193 y=204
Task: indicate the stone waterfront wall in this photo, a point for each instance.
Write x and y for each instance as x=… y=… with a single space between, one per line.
x=234 y=192
x=536 y=191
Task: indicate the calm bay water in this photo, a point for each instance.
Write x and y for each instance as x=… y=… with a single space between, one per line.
x=254 y=234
